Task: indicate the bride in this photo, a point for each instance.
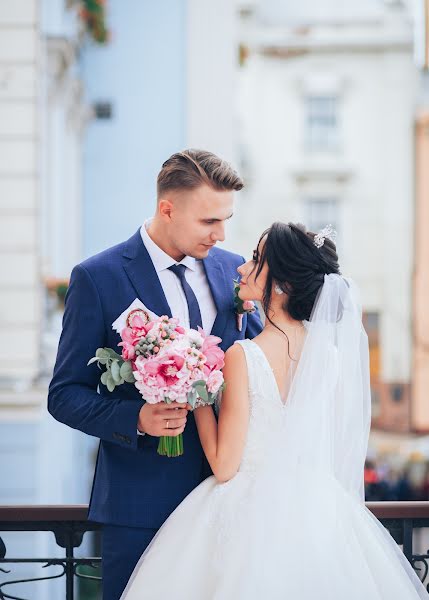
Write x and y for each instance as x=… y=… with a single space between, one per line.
x=284 y=517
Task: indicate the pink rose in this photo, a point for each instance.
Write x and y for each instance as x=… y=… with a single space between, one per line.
x=214 y=382
x=136 y=322
x=129 y=340
x=128 y=351
x=131 y=335
x=248 y=306
x=214 y=355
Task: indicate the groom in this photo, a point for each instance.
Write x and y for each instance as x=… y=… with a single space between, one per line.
x=170 y=264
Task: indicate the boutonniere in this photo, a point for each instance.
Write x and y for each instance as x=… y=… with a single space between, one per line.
x=242 y=307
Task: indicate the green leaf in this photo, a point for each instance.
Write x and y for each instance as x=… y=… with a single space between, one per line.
x=198 y=383
x=192 y=397
x=102 y=353
x=92 y=360
x=130 y=378
x=110 y=383
x=202 y=391
x=115 y=371
x=112 y=354
x=104 y=377
x=127 y=372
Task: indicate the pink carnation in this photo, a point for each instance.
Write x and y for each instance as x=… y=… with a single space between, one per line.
x=214 y=382
x=248 y=306
x=214 y=355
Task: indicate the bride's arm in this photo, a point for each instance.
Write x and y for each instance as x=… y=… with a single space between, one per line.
x=223 y=442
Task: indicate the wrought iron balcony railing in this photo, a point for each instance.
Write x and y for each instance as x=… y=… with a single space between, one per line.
x=69 y=524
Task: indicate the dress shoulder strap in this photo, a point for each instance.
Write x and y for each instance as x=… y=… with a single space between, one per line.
x=254 y=366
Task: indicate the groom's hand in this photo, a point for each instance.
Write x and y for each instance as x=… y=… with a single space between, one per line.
x=154 y=419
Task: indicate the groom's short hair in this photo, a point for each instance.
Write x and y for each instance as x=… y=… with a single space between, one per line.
x=191 y=168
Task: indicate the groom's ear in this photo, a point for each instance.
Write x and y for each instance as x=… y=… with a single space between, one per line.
x=165 y=208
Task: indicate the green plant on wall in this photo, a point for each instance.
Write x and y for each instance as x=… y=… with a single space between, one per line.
x=58 y=289
x=93 y=15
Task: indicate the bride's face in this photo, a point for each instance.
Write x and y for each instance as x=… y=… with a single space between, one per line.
x=251 y=286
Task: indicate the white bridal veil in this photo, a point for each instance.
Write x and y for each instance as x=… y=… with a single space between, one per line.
x=327 y=423
x=329 y=403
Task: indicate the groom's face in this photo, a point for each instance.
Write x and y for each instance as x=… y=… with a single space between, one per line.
x=197 y=219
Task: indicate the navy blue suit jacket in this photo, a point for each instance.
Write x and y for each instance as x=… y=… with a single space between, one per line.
x=133 y=485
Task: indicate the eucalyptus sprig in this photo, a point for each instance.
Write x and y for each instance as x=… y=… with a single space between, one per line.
x=200 y=396
x=118 y=370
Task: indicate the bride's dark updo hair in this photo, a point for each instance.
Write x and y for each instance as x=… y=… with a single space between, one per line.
x=296 y=265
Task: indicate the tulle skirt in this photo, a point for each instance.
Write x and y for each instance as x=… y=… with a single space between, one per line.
x=266 y=537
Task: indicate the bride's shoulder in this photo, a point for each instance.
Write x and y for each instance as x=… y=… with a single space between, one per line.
x=236 y=352
x=235 y=372
x=241 y=356
x=235 y=358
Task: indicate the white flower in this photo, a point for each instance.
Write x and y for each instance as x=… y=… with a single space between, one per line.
x=195 y=337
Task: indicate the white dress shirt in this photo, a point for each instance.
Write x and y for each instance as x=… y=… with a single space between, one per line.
x=195 y=276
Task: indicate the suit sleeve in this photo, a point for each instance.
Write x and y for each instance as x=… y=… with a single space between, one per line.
x=73 y=398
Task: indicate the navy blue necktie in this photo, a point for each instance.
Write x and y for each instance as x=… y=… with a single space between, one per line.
x=193 y=306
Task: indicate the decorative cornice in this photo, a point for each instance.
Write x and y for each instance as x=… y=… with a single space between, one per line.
x=61 y=54
x=62 y=84
x=328 y=174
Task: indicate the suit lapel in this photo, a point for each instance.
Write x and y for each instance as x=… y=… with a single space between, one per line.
x=142 y=274
x=222 y=292
x=144 y=278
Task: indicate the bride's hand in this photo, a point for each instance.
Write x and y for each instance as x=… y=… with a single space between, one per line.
x=163 y=419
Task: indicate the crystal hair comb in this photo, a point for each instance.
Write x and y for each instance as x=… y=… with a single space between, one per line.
x=327 y=232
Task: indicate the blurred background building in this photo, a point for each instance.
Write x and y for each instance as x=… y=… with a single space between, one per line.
x=333 y=118
x=328 y=99
x=93 y=99
x=324 y=108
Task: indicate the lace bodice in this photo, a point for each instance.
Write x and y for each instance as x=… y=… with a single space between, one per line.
x=267 y=410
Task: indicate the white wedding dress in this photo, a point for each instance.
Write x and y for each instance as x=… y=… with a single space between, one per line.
x=292 y=524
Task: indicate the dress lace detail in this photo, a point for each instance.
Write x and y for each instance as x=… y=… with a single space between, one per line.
x=266 y=409
x=265 y=420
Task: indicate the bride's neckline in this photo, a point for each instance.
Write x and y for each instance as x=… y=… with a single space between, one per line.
x=270 y=368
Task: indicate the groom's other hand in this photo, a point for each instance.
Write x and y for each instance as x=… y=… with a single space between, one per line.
x=154 y=418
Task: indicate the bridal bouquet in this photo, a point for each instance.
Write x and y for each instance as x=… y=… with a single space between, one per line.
x=166 y=363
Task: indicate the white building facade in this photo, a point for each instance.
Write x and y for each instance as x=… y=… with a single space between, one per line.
x=42 y=116
x=170 y=82
x=327 y=103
